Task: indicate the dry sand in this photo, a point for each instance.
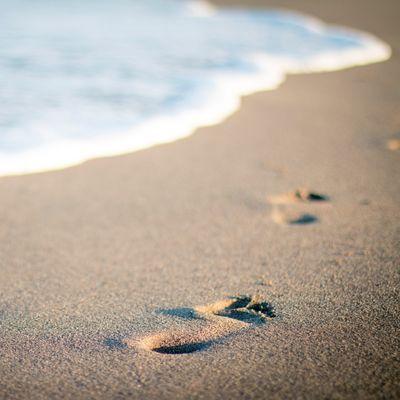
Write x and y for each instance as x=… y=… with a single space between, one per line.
x=104 y=262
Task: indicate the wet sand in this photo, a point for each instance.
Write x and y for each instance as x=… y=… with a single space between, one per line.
x=119 y=276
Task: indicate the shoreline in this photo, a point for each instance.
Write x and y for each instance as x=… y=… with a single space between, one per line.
x=229 y=89
x=105 y=265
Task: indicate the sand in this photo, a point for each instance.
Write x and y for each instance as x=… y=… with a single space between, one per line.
x=104 y=263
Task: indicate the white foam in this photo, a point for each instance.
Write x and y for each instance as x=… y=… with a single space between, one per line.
x=220 y=103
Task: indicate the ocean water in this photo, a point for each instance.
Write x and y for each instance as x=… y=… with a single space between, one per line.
x=86 y=78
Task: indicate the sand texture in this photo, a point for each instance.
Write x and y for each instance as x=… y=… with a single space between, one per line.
x=204 y=268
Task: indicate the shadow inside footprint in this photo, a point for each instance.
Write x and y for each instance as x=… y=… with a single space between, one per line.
x=303 y=219
x=185 y=348
x=316 y=197
x=293 y=218
x=245 y=310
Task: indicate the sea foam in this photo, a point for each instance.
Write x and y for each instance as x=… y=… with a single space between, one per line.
x=94 y=78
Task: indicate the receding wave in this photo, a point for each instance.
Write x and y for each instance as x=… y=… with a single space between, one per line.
x=93 y=78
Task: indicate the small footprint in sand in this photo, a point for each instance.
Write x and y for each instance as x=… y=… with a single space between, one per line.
x=221 y=319
x=291 y=217
x=298 y=196
x=284 y=216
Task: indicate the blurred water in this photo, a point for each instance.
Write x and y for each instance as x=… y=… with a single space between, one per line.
x=86 y=78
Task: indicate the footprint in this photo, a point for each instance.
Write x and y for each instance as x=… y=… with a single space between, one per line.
x=284 y=213
x=221 y=319
x=291 y=217
x=393 y=144
x=301 y=195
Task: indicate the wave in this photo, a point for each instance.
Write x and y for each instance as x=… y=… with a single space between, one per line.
x=212 y=98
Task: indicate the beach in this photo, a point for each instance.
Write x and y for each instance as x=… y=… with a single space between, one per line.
x=108 y=268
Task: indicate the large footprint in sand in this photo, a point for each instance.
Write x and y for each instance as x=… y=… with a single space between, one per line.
x=222 y=319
